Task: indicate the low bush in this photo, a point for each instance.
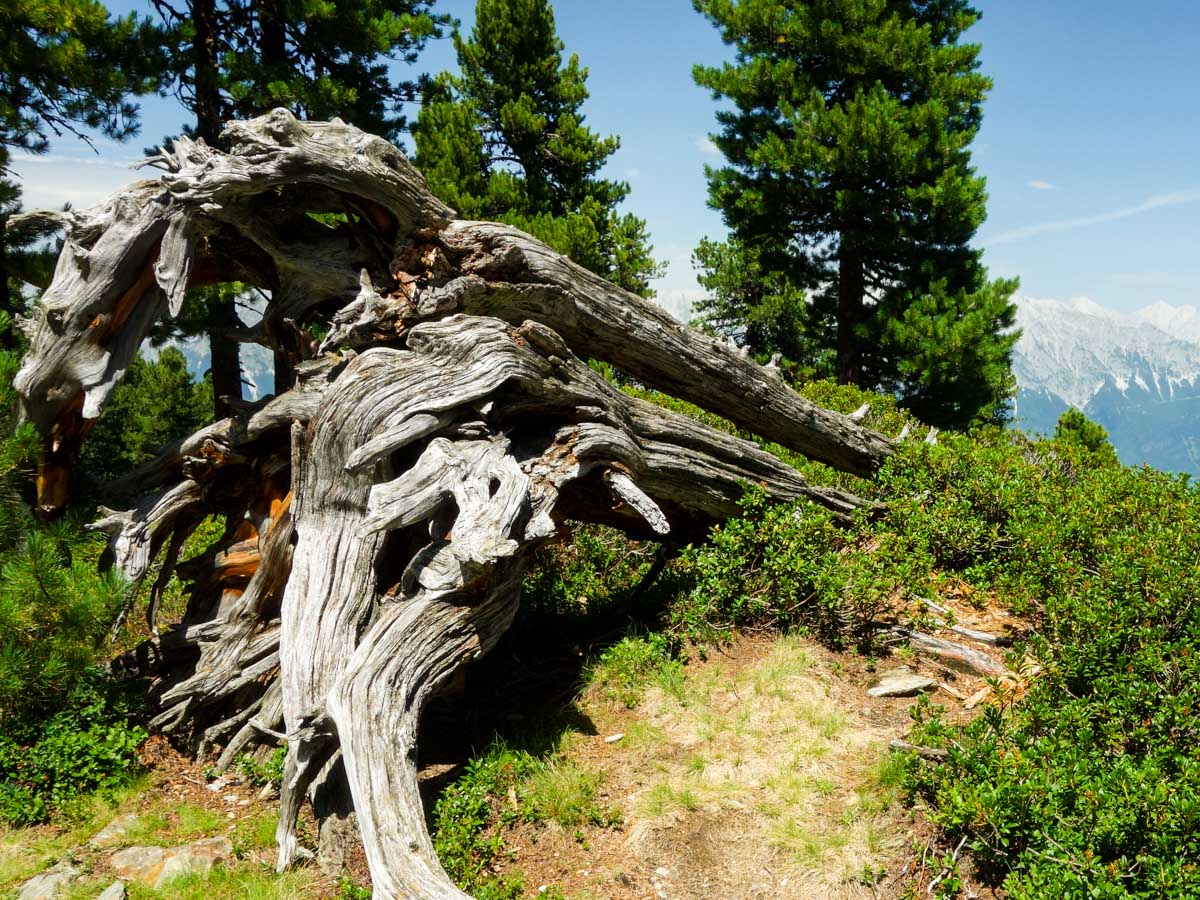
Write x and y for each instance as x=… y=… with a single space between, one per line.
x=87 y=746
x=500 y=787
x=64 y=729
x=1086 y=786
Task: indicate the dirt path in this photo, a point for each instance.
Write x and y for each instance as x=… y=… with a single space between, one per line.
x=762 y=772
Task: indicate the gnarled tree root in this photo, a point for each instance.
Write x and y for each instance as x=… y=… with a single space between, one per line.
x=383 y=507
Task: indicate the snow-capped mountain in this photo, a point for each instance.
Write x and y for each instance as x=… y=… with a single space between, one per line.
x=1137 y=374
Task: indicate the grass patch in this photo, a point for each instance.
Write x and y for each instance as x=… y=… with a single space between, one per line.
x=624 y=671
x=664 y=798
x=248 y=881
x=565 y=792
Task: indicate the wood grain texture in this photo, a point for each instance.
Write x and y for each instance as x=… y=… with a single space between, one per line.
x=382 y=507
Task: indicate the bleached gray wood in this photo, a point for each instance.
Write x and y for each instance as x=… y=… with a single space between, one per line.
x=382 y=509
x=953 y=654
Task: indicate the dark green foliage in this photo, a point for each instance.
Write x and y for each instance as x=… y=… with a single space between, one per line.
x=269 y=771
x=66 y=65
x=318 y=59
x=156 y=403
x=1076 y=428
x=849 y=177
x=576 y=585
x=506 y=141
x=759 y=308
x=1086 y=786
x=88 y=744
x=63 y=728
x=54 y=605
x=465 y=835
x=55 y=608
x=472 y=814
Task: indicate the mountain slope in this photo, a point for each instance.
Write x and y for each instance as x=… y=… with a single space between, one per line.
x=1138 y=375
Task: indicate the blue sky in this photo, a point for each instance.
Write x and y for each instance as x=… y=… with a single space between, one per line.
x=1090 y=143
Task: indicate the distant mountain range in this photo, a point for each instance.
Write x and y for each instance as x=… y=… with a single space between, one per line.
x=1136 y=374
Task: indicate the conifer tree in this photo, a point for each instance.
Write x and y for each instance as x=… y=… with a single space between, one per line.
x=506 y=141
x=156 y=402
x=320 y=59
x=66 y=67
x=849 y=175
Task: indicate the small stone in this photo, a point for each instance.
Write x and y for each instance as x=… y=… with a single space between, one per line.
x=245 y=801
x=662 y=872
x=114 y=832
x=138 y=863
x=902 y=682
x=220 y=784
x=115 y=891
x=49 y=884
x=155 y=866
x=613 y=738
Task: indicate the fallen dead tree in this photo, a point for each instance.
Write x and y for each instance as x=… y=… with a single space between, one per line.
x=435 y=422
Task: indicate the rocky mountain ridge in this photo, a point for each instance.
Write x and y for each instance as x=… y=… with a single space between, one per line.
x=1137 y=374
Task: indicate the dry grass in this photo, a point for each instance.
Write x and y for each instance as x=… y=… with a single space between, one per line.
x=760 y=773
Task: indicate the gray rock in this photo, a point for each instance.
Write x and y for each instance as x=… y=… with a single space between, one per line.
x=155 y=866
x=49 y=884
x=902 y=682
x=115 y=891
x=114 y=832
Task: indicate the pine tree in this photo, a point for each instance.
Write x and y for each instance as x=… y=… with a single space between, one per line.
x=849 y=175
x=155 y=403
x=759 y=309
x=318 y=58
x=66 y=67
x=506 y=141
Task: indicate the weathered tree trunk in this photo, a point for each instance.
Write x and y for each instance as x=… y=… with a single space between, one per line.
x=381 y=512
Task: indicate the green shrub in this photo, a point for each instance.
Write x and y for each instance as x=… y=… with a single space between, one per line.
x=156 y=402
x=1074 y=428
x=776 y=565
x=269 y=771
x=89 y=745
x=466 y=835
x=64 y=729
x=623 y=671
x=499 y=788
x=1087 y=785
x=588 y=577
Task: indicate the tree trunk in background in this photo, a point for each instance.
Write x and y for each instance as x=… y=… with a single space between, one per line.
x=224 y=352
x=272 y=51
x=851 y=286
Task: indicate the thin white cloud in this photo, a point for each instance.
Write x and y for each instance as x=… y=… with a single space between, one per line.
x=1158 y=201
x=47 y=182
x=632 y=173
x=1043 y=185
x=55 y=159
x=706 y=146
